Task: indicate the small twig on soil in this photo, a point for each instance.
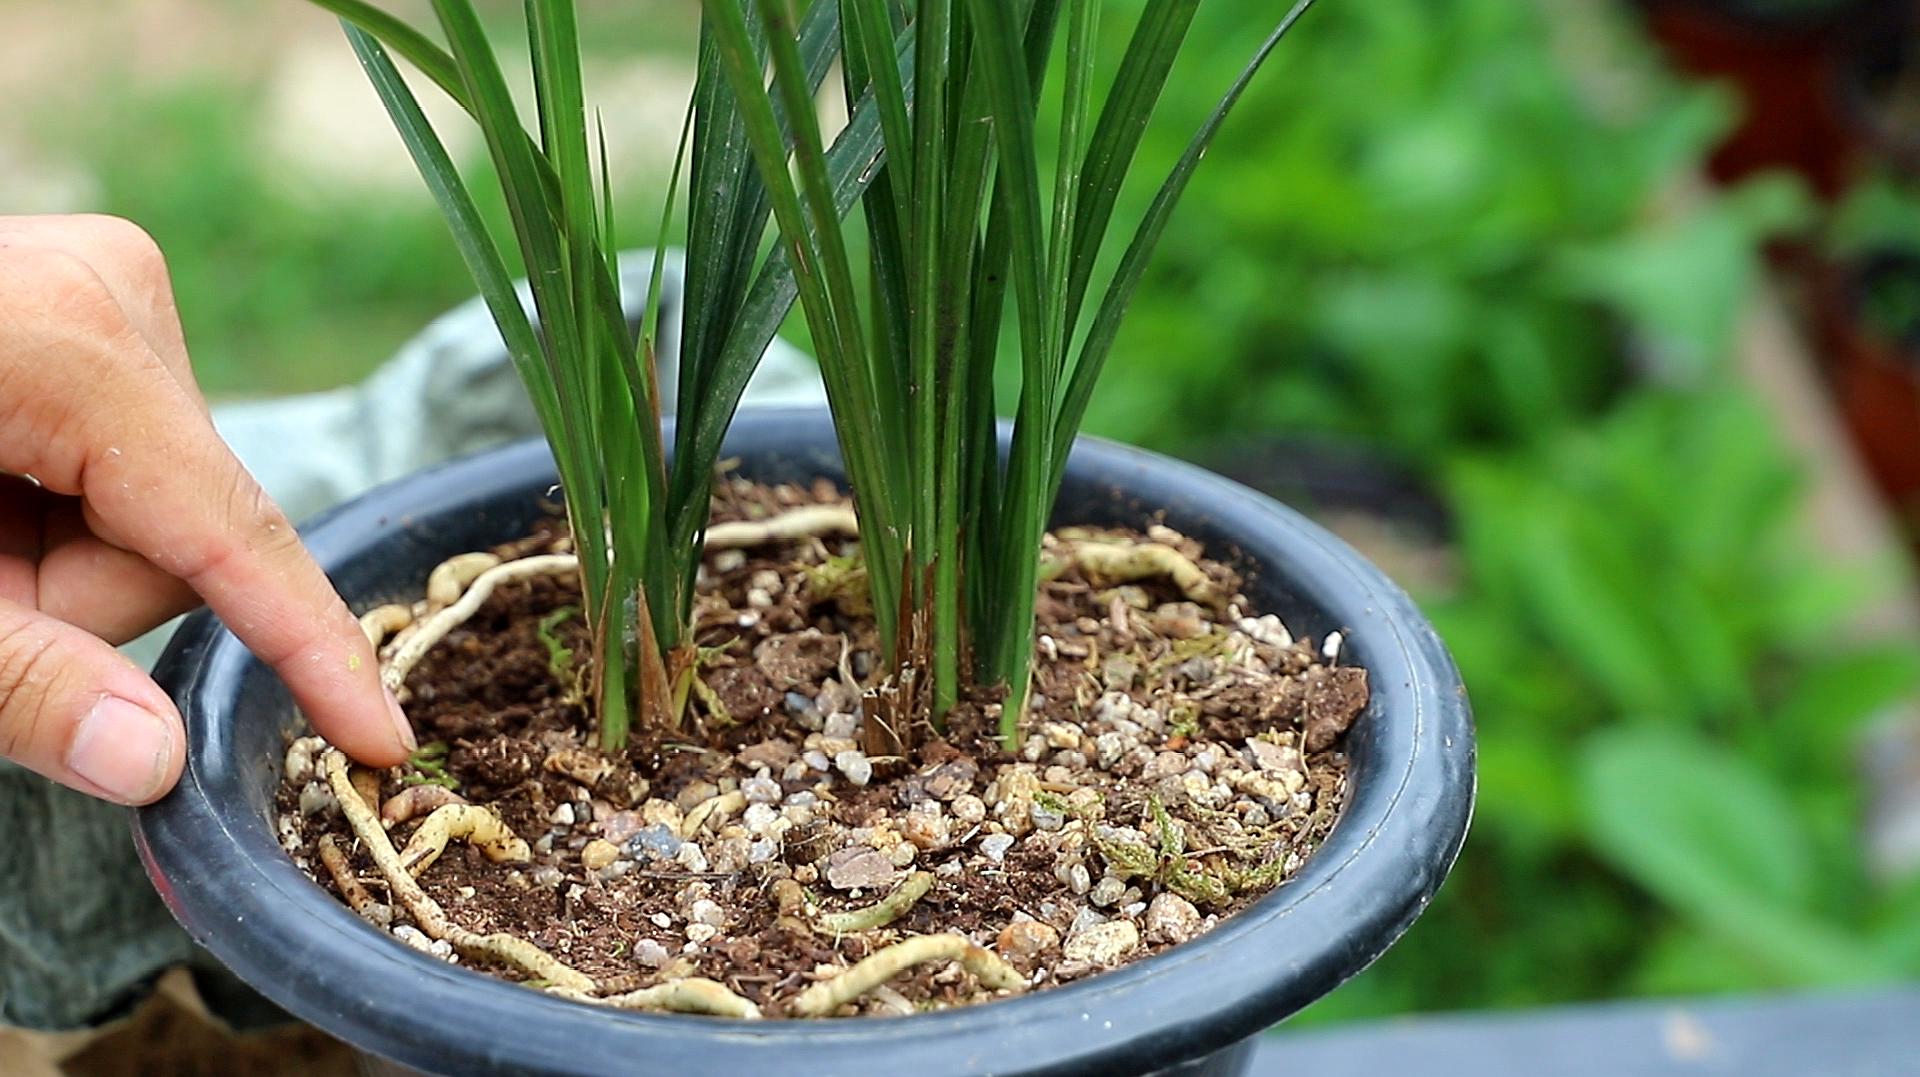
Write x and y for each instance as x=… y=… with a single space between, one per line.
x=478 y=826
x=1112 y=563
x=426 y=912
x=812 y=520
x=383 y=621
x=361 y=902
x=825 y=997
x=691 y=995
x=409 y=649
x=451 y=578
x=882 y=912
x=712 y=809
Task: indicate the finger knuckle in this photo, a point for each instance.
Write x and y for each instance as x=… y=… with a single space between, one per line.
x=124 y=244
x=28 y=675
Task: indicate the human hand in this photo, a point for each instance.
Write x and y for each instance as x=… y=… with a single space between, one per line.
x=133 y=506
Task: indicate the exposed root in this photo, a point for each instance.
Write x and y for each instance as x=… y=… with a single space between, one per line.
x=451 y=578
x=713 y=809
x=415 y=801
x=882 y=912
x=366 y=783
x=827 y=996
x=693 y=994
x=356 y=895
x=382 y=622
x=1110 y=563
x=813 y=520
x=410 y=648
x=476 y=825
x=298 y=769
x=426 y=912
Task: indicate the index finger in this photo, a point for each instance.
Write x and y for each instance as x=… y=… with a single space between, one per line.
x=97 y=414
x=203 y=518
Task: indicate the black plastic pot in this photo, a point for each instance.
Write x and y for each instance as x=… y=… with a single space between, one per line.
x=211 y=852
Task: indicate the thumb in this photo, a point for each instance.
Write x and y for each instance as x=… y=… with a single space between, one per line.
x=75 y=710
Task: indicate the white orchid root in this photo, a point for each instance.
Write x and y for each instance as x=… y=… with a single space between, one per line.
x=1113 y=563
x=505 y=949
x=477 y=826
x=413 y=644
x=381 y=622
x=451 y=578
x=415 y=801
x=882 y=912
x=808 y=522
x=825 y=997
x=693 y=994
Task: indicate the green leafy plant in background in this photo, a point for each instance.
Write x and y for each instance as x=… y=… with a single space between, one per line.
x=1669 y=714
x=1433 y=237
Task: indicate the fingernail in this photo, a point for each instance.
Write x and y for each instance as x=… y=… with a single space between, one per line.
x=400 y=723
x=122 y=749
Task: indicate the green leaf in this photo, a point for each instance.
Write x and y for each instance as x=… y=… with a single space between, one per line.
x=1718 y=841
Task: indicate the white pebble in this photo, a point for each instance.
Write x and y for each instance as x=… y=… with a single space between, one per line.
x=701 y=932
x=1330 y=650
x=708 y=912
x=968 y=809
x=855 y=765
x=661 y=919
x=691 y=857
x=760 y=791
x=841 y=726
x=995 y=846
x=562 y=815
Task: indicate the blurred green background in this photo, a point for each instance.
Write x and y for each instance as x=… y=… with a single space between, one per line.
x=1454 y=276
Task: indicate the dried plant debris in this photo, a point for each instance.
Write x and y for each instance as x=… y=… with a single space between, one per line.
x=1181 y=758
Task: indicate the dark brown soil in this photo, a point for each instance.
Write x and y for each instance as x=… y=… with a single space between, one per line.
x=1178 y=762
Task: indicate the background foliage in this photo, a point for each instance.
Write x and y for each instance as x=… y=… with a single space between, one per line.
x=1457 y=234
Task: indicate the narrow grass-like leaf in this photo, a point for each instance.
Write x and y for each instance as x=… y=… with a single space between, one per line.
x=1113 y=306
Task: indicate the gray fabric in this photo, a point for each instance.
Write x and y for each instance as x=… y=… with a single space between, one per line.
x=82 y=934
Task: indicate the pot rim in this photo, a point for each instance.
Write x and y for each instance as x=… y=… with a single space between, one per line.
x=212 y=856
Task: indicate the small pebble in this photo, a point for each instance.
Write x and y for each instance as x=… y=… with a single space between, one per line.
x=968 y=809
x=859 y=868
x=797 y=703
x=902 y=854
x=759 y=818
x=691 y=857
x=701 y=932
x=1103 y=944
x=546 y=875
x=1172 y=919
x=654 y=843
x=760 y=791
x=995 y=846
x=762 y=851
x=817 y=759
x=317 y=798
x=598 y=854
x=650 y=953
x=1026 y=938
x=855 y=765
x=1107 y=892
x=661 y=919
x=1045 y=818
x=841 y=726
x=1079 y=878
x=705 y=911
